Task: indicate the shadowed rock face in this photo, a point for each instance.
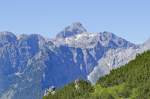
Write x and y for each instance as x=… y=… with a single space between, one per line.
x=29 y=64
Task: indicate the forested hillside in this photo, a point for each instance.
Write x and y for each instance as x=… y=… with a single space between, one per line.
x=131 y=81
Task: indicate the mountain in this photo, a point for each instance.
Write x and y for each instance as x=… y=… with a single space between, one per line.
x=75 y=28
x=131 y=81
x=30 y=64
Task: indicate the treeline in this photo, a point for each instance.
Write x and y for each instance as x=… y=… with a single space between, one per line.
x=131 y=81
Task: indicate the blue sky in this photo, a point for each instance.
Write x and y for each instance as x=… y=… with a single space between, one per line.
x=126 y=18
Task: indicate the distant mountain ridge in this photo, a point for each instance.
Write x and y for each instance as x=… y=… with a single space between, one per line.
x=29 y=64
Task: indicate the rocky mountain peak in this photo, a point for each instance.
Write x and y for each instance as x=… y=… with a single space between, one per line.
x=7 y=37
x=71 y=30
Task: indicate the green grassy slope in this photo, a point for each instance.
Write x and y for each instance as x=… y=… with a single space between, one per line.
x=131 y=81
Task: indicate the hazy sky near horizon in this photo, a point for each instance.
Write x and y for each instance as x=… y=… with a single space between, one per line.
x=129 y=19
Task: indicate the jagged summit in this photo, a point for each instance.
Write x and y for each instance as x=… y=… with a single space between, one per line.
x=6 y=36
x=71 y=30
x=89 y=40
